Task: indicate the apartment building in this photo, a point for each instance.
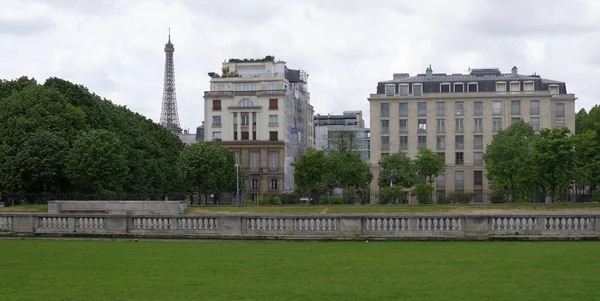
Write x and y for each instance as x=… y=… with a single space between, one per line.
x=345 y=130
x=260 y=109
x=457 y=115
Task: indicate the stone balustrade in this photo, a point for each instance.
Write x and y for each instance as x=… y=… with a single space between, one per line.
x=308 y=226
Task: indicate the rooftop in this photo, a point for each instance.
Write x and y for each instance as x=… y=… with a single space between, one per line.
x=473 y=76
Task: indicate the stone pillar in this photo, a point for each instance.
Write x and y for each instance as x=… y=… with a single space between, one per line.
x=239 y=126
x=351 y=225
x=257 y=125
x=250 y=126
x=24 y=223
x=229 y=226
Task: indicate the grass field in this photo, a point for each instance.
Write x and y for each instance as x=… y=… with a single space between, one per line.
x=127 y=270
x=557 y=207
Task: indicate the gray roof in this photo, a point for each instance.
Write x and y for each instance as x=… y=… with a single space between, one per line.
x=437 y=77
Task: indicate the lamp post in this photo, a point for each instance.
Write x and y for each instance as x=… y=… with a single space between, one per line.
x=237 y=183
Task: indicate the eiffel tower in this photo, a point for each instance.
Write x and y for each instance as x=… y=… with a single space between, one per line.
x=169 y=117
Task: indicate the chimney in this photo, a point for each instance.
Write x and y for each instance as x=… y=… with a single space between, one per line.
x=514 y=70
x=429 y=72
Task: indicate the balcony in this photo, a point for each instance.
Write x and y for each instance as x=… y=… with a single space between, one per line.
x=217 y=125
x=274 y=124
x=244 y=93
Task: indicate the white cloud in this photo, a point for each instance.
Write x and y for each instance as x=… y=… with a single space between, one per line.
x=347 y=46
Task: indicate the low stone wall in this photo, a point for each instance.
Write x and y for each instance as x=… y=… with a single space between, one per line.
x=118 y=207
x=309 y=226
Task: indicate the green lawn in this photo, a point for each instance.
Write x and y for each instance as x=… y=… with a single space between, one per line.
x=127 y=270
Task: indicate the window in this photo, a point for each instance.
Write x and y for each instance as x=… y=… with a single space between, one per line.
x=216 y=136
x=273 y=104
x=246 y=87
x=459 y=125
x=497 y=124
x=497 y=107
x=459 y=158
x=444 y=88
x=384 y=155
x=273 y=136
x=440 y=108
x=403 y=89
x=417 y=89
x=478 y=142
x=459 y=142
x=560 y=110
x=274 y=120
x=273 y=160
x=385 y=126
x=459 y=179
x=403 y=142
x=459 y=88
x=478 y=125
x=422 y=108
x=443 y=156
x=422 y=141
x=273 y=185
x=515 y=107
x=500 y=87
x=440 y=142
x=534 y=107
x=403 y=126
x=440 y=180
x=478 y=158
x=472 y=87
x=254 y=161
x=478 y=108
x=271 y=86
x=245 y=102
x=477 y=177
x=245 y=119
x=216 y=105
x=535 y=123
x=528 y=87
x=385 y=142
x=553 y=89
x=515 y=120
x=245 y=135
x=560 y=123
x=216 y=121
x=460 y=108
x=390 y=89
x=478 y=199
x=515 y=86
x=440 y=126
x=403 y=109
x=254 y=184
x=422 y=125
x=221 y=87
x=385 y=109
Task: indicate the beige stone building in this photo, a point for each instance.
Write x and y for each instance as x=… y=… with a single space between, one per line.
x=457 y=115
x=261 y=110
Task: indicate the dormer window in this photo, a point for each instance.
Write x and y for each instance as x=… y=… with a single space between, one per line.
x=500 y=87
x=417 y=89
x=390 y=89
x=472 y=87
x=445 y=88
x=459 y=88
x=528 y=87
x=553 y=89
x=515 y=87
x=403 y=89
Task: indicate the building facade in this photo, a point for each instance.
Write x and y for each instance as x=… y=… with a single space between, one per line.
x=457 y=115
x=333 y=132
x=260 y=109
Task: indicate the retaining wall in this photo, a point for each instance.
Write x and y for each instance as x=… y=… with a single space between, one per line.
x=308 y=226
x=118 y=207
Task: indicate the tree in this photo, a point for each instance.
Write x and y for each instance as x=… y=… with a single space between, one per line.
x=508 y=160
x=207 y=168
x=429 y=164
x=349 y=171
x=310 y=173
x=587 y=159
x=554 y=160
x=397 y=169
x=97 y=162
x=341 y=141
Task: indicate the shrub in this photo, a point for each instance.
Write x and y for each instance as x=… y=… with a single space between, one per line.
x=423 y=193
x=290 y=198
x=393 y=194
x=497 y=197
x=269 y=199
x=596 y=196
x=333 y=200
x=460 y=197
x=248 y=202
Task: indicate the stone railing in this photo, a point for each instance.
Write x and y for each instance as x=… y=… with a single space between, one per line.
x=308 y=226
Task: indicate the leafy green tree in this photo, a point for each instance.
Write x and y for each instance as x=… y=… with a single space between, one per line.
x=587 y=159
x=429 y=165
x=97 y=162
x=555 y=160
x=397 y=169
x=349 y=171
x=509 y=158
x=310 y=173
x=41 y=162
x=8 y=87
x=423 y=192
x=207 y=168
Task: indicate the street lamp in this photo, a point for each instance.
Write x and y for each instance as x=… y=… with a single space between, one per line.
x=237 y=183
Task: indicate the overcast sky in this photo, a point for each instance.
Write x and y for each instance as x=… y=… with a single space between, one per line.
x=115 y=48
